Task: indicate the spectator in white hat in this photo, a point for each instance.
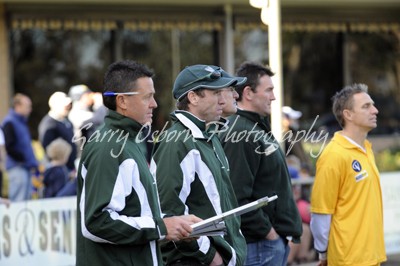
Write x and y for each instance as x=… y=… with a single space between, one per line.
x=292 y=116
x=290 y=126
x=55 y=124
x=82 y=102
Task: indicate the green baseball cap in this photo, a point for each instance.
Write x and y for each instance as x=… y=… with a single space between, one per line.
x=203 y=76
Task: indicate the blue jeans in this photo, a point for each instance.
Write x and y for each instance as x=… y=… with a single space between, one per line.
x=19 y=184
x=267 y=253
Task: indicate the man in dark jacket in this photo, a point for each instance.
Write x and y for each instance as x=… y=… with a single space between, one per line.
x=258 y=169
x=20 y=160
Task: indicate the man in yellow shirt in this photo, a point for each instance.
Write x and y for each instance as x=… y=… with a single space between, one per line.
x=346 y=200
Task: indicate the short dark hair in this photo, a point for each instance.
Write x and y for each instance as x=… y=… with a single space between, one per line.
x=121 y=76
x=252 y=71
x=183 y=104
x=344 y=100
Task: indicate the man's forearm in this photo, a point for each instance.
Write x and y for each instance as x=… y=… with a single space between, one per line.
x=320 y=226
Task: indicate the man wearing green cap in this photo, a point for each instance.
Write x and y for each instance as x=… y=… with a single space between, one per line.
x=192 y=170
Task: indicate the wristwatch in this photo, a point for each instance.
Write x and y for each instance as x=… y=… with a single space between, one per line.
x=322 y=255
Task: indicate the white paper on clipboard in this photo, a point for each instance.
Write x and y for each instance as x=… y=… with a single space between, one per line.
x=216 y=226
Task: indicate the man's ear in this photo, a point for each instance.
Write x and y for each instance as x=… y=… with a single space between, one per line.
x=248 y=93
x=120 y=102
x=347 y=115
x=193 y=97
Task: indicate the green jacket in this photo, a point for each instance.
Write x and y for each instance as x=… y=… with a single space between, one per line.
x=258 y=169
x=119 y=217
x=193 y=178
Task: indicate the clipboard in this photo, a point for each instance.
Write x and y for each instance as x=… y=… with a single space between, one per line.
x=215 y=225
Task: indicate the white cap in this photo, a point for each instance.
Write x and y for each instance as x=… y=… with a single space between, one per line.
x=76 y=92
x=291 y=113
x=59 y=99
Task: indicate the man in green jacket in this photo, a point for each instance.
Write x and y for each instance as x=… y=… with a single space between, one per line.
x=119 y=221
x=192 y=170
x=258 y=169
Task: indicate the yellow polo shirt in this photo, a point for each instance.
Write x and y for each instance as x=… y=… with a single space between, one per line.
x=347 y=186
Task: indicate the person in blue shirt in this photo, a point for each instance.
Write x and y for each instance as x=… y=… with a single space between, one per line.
x=20 y=159
x=56 y=175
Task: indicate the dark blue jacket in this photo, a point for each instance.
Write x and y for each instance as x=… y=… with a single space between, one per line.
x=51 y=129
x=18 y=141
x=55 y=178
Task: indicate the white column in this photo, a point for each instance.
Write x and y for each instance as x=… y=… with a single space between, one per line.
x=275 y=62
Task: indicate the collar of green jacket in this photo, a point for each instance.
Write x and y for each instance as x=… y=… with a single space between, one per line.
x=263 y=122
x=116 y=121
x=199 y=128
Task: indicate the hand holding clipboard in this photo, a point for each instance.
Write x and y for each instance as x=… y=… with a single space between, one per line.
x=216 y=226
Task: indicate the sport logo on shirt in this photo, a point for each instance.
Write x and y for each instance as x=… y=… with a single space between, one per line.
x=356 y=166
x=361 y=176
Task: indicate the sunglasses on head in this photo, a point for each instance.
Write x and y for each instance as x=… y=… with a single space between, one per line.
x=216 y=74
